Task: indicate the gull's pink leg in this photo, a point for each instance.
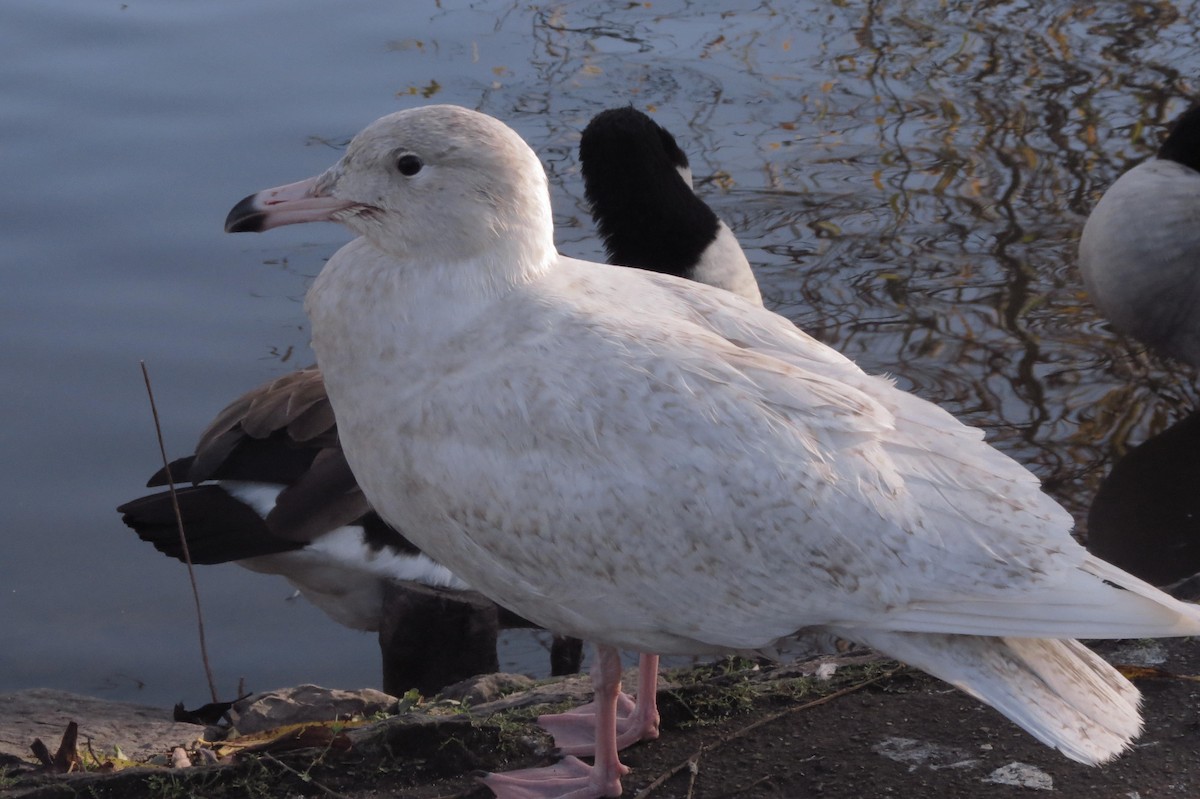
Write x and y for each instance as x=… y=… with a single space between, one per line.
x=572 y=778
x=644 y=720
x=573 y=731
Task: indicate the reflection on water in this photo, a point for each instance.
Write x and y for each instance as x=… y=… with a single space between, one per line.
x=909 y=178
x=916 y=192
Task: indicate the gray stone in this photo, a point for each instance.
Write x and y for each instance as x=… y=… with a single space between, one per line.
x=304 y=704
x=1021 y=775
x=486 y=688
x=1140 y=653
x=140 y=731
x=923 y=753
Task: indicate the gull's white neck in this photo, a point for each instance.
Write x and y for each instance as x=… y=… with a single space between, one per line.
x=381 y=326
x=384 y=327
x=364 y=293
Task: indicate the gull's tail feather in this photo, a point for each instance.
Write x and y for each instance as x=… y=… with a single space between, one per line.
x=1059 y=691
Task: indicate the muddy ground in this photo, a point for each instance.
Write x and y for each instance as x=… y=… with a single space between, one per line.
x=873 y=729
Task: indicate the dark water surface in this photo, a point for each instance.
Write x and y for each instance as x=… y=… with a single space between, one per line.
x=909 y=179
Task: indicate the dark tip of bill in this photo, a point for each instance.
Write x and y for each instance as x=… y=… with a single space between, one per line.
x=245 y=217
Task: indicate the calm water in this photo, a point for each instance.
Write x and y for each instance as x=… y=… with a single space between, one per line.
x=909 y=178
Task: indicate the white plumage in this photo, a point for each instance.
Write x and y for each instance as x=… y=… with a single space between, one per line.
x=658 y=465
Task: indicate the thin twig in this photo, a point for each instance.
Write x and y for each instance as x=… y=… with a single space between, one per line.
x=304 y=777
x=692 y=761
x=92 y=752
x=693 y=770
x=187 y=555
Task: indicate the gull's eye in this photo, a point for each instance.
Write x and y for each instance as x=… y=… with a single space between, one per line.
x=409 y=164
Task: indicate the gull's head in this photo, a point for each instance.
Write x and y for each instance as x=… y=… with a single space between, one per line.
x=440 y=181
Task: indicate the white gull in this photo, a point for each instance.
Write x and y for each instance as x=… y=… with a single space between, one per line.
x=273 y=491
x=658 y=465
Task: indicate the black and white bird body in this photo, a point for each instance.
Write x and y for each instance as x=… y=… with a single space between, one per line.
x=1140 y=260
x=272 y=492
x=658 y=465
x=1140 y=248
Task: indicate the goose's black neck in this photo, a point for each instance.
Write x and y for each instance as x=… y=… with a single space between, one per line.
x=647 y=214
